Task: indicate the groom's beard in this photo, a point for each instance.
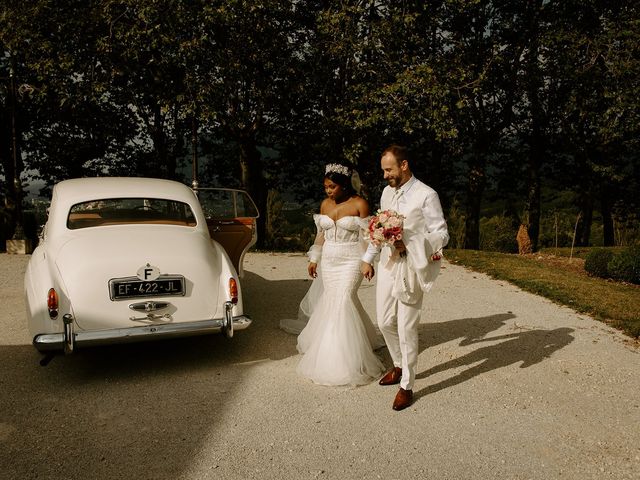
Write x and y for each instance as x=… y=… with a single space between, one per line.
x=393 y=182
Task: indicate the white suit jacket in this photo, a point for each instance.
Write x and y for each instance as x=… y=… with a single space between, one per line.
x=424 y=233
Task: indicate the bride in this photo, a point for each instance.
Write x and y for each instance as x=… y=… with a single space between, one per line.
x=336 y=343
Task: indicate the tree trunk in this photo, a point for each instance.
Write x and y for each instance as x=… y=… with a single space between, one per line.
x=536 y=140
x=9 y=191
x=475 y=189
x=607 y=218
x=427 y=166
x=536 y=151
x=586 y=218
x=6 y=160
x=533 y=204
x=11 y=158
x=159 y=144
x=177 y=145
x=253 y=181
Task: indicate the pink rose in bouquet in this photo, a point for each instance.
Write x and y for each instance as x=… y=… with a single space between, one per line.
x=385 y=228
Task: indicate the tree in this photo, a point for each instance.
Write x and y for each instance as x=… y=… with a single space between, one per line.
x=248 y=78
x=483 y=92
x=594 y=59
x=534 y=108
x=10 y=151
x=485 y=46
x=382 y=82
x=70 y=127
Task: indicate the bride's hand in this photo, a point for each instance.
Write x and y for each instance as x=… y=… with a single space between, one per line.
x=367 y=270
x=313 y=269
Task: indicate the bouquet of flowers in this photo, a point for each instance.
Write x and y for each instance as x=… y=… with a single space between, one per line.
x=385 y=227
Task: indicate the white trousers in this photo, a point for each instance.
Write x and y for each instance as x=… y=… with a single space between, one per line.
x=398 y=323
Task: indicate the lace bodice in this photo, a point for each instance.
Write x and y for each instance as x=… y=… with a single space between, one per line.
x=345 y=230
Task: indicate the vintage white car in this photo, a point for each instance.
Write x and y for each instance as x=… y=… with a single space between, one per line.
x=132 y=259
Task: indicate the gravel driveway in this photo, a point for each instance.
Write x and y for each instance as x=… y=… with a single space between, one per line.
x=510 y=386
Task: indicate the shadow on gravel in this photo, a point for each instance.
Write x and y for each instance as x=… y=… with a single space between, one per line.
x=526 y=347
x=469 y=329
x=141 y=410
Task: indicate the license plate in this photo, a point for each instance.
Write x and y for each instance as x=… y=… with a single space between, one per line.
x=134 y=288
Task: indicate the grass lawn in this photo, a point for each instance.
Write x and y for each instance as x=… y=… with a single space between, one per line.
x=578 y=252
x=562 y=280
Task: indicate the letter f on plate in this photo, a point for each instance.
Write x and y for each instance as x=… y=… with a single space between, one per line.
x=148 y=273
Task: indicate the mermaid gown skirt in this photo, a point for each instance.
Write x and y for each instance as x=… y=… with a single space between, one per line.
x=337 y=341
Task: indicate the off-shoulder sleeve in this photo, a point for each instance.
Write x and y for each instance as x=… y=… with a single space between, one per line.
x=315 y=252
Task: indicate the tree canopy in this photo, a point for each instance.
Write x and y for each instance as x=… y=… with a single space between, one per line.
x=508 y=97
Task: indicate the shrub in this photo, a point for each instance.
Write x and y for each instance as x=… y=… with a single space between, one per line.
x=455 y=224
x=596 y=262
x=498 y=234
x=625 y=266
x=307 y=237
x=547 y=239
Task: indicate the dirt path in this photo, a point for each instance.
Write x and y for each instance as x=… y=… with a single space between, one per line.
x=510 y=386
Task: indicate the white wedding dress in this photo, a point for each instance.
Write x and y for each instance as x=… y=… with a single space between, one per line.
x=338 y=340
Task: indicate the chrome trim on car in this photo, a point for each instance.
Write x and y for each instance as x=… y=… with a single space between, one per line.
x=68 y=335
x=151 y=317
x=227 y=326
x=148 y=306
x=57 y=341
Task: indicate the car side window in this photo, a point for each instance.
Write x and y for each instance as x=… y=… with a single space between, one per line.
x=226 y=204
x=217 y=203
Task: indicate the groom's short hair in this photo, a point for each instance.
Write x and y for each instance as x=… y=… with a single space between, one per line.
x=399 y=152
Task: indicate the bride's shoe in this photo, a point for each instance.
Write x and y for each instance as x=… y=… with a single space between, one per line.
x=392 y=377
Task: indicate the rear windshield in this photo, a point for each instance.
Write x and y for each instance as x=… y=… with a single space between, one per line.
x=119 y=211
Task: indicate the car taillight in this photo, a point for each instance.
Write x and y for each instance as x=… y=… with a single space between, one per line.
x=233 y=290
x=52 y=303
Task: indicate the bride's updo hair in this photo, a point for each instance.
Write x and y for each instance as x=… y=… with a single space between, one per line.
x=340 y=174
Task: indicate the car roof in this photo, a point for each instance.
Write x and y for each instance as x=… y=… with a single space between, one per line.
x=71 y=192
x=95 y=188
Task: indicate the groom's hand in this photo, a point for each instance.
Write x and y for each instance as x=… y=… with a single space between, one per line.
x=367 y=270
x=400 y=246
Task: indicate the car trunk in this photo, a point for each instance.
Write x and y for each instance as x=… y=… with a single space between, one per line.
x=118 y=254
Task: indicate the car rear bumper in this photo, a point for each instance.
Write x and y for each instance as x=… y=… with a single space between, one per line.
x=47 y=342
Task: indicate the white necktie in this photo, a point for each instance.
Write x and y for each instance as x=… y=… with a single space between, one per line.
x=396 y=198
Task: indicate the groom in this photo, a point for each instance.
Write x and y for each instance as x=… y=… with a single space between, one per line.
x=403 y=278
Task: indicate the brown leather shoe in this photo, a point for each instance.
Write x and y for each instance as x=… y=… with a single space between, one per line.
x=392 y=377
x=404 y=398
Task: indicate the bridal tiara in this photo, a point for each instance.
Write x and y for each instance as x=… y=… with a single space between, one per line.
x=337 y=168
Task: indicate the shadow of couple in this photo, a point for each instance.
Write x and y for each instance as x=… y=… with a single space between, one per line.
x=527 y=347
